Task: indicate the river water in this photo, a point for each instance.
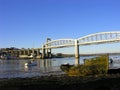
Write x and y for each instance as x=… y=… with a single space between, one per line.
x=17 y=68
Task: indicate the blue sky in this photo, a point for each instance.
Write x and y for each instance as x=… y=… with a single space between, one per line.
x=27 y=23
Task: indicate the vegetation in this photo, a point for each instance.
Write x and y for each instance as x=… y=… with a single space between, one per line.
x=94 y=66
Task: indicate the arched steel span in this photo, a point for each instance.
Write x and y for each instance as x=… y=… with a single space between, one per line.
x=60 y=43
x=99 y=38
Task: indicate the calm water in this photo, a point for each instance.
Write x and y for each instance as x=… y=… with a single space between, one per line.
x=17 y=68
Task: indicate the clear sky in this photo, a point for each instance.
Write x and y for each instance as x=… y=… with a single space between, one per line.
x=27 y=23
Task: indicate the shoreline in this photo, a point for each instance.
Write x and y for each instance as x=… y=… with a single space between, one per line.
x=63 y=82
x=109 y=81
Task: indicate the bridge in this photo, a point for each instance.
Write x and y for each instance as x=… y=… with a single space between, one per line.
x=97 y=38
x=46 y=49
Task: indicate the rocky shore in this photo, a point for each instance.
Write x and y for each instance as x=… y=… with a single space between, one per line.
x=111 y=81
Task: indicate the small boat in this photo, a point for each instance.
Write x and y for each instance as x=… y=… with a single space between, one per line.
x=31 y=64
x=65 y=66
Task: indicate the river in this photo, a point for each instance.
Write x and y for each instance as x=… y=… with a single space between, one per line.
x=17 y=68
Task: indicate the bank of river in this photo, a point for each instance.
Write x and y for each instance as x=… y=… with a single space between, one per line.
x=62 y=82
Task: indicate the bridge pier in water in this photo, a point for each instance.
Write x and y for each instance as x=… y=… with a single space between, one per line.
x=46 y=53
x=43 y=52
x=76 y=52
x=48 y=50
x=49 y=55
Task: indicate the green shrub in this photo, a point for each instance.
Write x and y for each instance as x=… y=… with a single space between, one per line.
x=94 y=66
x=79 y=70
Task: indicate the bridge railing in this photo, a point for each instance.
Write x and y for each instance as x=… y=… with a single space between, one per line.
x=60 y=43
x=103 y=37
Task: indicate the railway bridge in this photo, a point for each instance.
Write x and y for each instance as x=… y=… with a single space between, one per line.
x=97 y=38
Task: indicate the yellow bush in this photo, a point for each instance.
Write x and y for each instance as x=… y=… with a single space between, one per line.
x=79 y=70
x=94 y=66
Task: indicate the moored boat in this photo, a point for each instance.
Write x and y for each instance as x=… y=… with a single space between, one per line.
x=31 y=64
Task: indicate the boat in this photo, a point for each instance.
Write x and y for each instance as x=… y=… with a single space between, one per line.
x=65 y=66
x=31 y=64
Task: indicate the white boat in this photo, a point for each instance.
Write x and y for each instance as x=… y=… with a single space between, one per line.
x=31 y=64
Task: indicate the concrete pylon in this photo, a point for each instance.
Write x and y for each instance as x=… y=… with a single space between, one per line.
x=38 y=52
x=43 y=52
x=48 y=50
x=76 y=52
x=50 y=54
x=33 y=51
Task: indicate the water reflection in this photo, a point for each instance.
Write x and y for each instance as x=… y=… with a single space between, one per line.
x=42 y=66
x=47 y=63
x=28 y=68
x=17 y=68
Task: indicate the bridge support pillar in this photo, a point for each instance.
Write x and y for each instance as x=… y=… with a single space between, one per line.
x=48 y=53
x=43 y=52
x=48 y=50
x=38 y=52
x=76 y=52
x=28 y=52
x=33 y=51
x=23 y=52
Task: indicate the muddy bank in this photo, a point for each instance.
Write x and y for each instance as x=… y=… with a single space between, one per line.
x=62 y=82
x=111 y=81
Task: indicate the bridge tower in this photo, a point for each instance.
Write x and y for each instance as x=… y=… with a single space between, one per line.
x=43 y=52
x=76 y=52
x=48 y=50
